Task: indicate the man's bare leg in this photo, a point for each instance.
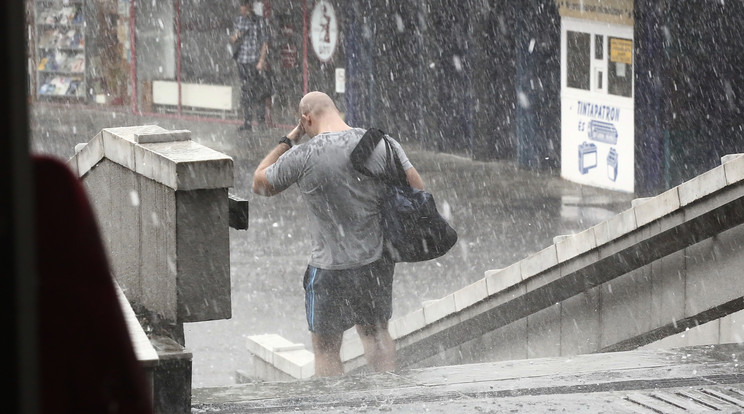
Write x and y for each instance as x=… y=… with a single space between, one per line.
x=327 y=350
x=379 y=348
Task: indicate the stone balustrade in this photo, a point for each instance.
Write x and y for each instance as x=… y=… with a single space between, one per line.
x=162 y=205
x=666 y=265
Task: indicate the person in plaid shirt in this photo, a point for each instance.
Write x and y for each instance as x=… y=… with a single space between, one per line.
x=250 y=45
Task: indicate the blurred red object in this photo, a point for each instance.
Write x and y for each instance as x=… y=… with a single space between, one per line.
x=86 y=359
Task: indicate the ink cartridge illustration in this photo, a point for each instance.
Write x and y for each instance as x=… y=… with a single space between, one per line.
x=612 y=165
x=587 y=157
x=602 y=132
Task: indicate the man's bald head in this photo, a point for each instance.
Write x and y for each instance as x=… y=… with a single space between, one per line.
x=319 y=114
x=317 y=103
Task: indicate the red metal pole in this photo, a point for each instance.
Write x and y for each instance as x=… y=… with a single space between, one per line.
x=133 y=51
x=178 y=52
x=304 y=47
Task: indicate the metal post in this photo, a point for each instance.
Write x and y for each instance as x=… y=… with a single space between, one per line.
x=133 y=51
x=304 y=47
x=178 y=51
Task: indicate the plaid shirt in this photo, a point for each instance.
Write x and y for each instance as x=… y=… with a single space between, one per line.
x=255 y=35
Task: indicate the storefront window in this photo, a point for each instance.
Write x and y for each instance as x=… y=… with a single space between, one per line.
x=620 y=68
x=578 y=55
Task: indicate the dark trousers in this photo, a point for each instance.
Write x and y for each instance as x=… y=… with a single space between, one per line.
x=252 y=92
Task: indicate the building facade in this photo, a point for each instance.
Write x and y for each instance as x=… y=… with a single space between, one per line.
x=632 y=95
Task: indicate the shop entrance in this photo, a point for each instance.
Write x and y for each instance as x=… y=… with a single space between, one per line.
x=597 y=137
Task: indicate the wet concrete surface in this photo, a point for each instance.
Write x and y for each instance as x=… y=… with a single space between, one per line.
x=696 y=379
x=502 y=214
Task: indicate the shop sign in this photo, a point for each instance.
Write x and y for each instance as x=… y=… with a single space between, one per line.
x=324 y=30
x=598 y=143
x=607 y=11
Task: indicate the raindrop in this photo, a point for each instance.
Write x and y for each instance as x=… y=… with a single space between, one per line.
x=524 y=101
x=399 y=23
x=134 y=198
x=531 y=48
x=667 y=34
x=446 y=210
x=457 y=62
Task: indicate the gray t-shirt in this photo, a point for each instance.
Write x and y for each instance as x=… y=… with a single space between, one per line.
x=344 y=204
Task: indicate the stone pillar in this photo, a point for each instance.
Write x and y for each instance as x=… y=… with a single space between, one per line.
x=162 y=205
x=161 y=201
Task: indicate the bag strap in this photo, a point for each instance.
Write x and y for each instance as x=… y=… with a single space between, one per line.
x=394 y=173
x=364 y=149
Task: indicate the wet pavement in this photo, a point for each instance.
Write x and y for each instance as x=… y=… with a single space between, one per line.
x=502 y=214
x=696 y=379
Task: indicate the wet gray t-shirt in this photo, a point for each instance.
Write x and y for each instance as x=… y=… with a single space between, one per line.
x=343 y=203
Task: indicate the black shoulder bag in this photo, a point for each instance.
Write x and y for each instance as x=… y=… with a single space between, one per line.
x=413 y=229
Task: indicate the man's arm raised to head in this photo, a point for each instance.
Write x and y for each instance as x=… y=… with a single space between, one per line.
x=261 y=185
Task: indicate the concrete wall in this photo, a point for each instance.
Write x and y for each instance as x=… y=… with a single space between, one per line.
x=137 y=219
x=203 y=251
x=669 y=291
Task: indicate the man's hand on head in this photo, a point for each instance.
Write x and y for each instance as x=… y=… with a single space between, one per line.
x=296 y=134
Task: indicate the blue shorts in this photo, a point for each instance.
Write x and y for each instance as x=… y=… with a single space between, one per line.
x=336 y=300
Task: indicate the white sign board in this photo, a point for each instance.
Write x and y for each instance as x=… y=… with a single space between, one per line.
x=324 y=30
x=597 y=145
x=340 y=80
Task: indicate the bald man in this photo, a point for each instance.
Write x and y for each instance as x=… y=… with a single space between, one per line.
x=349 y=280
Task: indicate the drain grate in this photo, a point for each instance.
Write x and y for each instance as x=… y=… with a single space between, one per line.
x=709 y=399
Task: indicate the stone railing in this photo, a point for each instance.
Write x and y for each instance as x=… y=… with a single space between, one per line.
x=162 y=205
x=667 y=264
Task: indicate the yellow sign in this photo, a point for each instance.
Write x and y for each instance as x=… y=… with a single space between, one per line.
x=607 y=11
x=621 y=50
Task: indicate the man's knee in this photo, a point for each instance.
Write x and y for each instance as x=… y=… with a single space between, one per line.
x=372 y=330
x=327 y=344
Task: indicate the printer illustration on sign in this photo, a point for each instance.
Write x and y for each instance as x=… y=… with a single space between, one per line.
x=612 y=164
x=587 y=157
x=602 y=132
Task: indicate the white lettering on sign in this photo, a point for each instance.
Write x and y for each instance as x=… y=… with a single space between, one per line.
x=324 y=30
